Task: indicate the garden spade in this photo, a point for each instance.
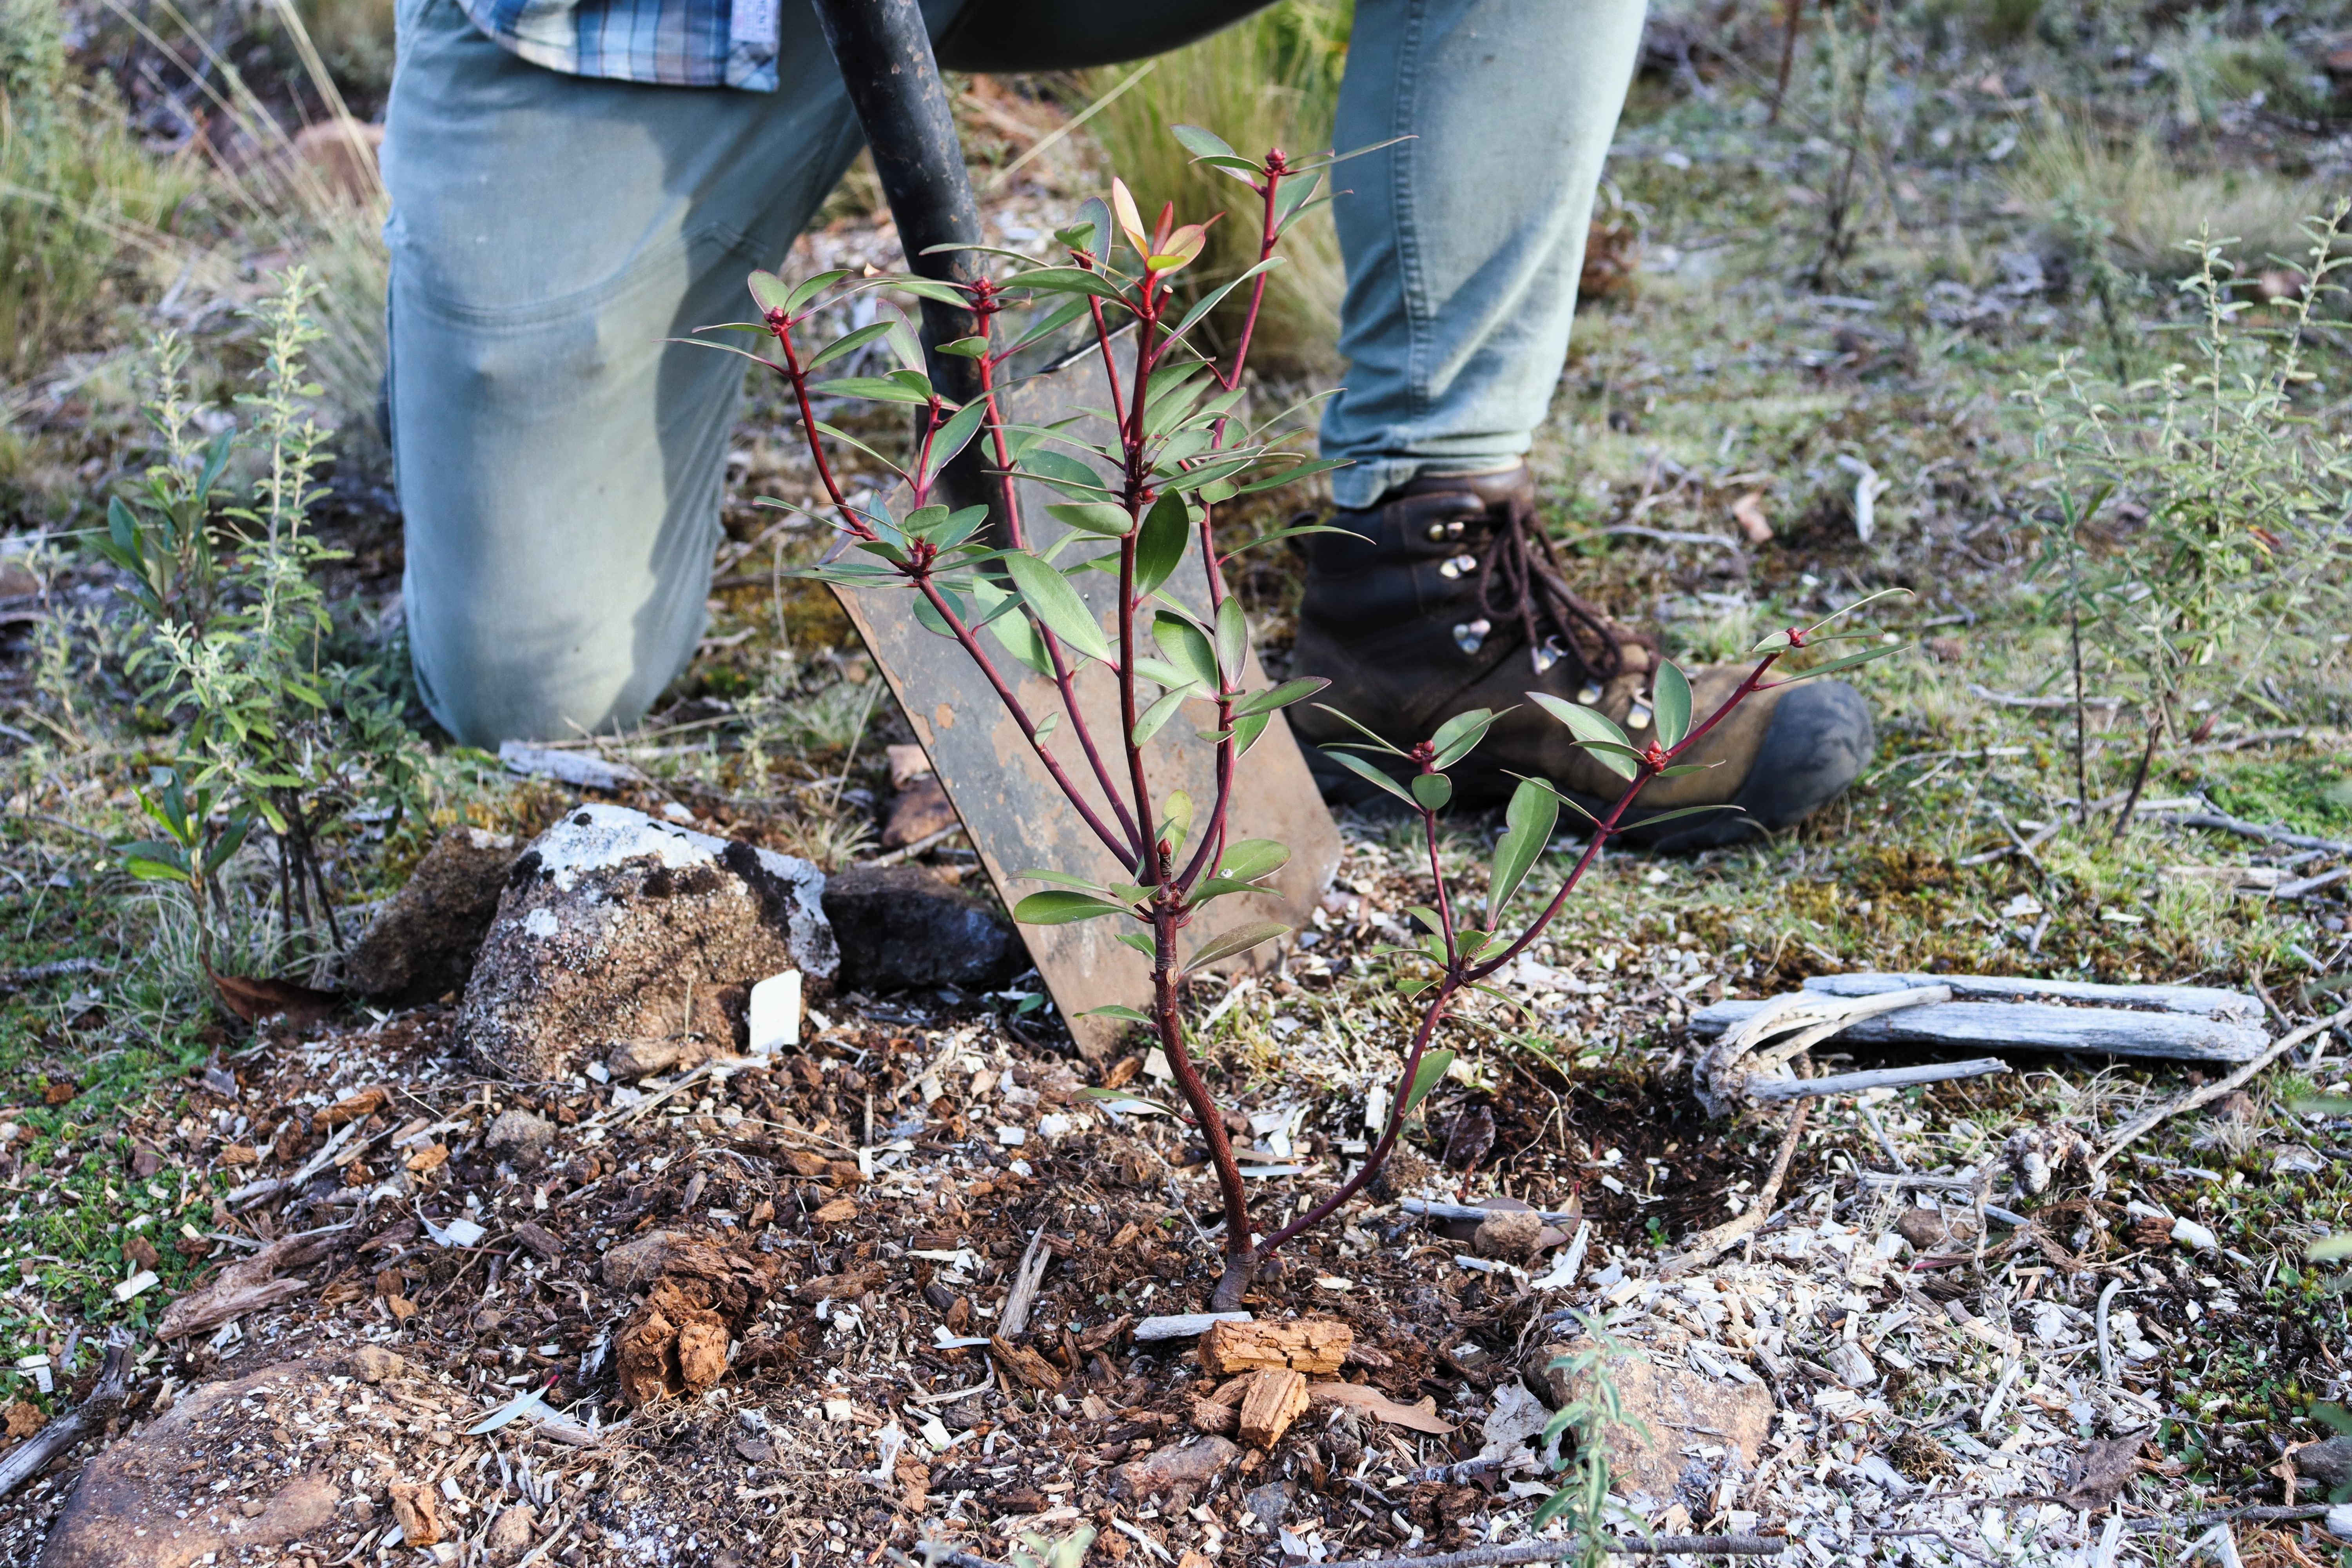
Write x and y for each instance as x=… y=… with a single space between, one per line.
x=1014 y=813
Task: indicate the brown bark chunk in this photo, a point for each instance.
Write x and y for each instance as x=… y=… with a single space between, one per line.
x=1315 y=1345
x=1272 y=1400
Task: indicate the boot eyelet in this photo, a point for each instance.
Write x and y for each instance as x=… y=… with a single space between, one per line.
x=1454 y=530
x=1469 y=635
x=1544 y=655
x=1456 y=565
x=1590 y=694
x=1436 y=532
x=1639 y=718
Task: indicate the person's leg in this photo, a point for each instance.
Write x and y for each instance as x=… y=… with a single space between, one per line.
x=1464 y=242
x=558 y=462
x=1441 y=593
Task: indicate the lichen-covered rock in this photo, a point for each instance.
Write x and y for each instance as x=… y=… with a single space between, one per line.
x=611 y=924
x=421 y=944
x=520 y=1139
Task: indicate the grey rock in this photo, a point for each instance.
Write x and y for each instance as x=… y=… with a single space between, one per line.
x=421 y=944
x=611 y=924
x=900 y=926
x=639 y=1262
x=1270 y=1502
x=512 y=1533
x=2326 y=1464
x=1179 y=1470
x=520 y=1139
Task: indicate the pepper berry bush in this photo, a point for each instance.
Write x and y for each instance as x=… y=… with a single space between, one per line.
x=1137 y=503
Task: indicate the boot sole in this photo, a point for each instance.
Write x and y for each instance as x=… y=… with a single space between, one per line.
x=1819 y=741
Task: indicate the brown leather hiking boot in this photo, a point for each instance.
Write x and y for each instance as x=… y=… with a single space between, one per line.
x=1451 y=599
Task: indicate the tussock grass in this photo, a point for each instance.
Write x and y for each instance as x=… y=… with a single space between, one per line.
x=2151 y=207
x=1270 y=81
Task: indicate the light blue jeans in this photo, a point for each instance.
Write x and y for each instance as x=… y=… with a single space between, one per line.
x=559 y=463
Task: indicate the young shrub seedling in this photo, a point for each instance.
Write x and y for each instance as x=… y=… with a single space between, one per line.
x=1139 y=502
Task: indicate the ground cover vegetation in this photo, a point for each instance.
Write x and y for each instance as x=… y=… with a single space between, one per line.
x=2031 y=311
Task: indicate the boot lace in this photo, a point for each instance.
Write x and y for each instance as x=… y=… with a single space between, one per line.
x=1520 y=583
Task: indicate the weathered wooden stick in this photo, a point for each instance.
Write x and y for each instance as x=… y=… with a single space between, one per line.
x=30 y=1458
x=2034 y=1026
x=1705 y=1247
x=1428 y=1210
x=2148 y=1120
x=1772 y=1089
x=2222 y=823
x=1553 y=1550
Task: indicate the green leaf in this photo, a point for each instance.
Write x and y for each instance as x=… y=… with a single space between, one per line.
x=808 y=289
x=1101 y=517
x=1355 y=764
x=873 y=389
x=1294 y=198
x=1239 y=940
x=1433 y=1069
x=1053 y=601
x=1646 y=821
x=1062 y=471
x=1247 y=860
x=1670 y=703
x=1219 y=887
x=1202 y=144
x=1374 y=739
x=1433 y=790
x=1291 y=475
x=952 y=438
x=1849 y=609
x=1114 y=1010
x=1176 y=825
x=847 y=344
x=1150 y=722
x=1062 y=878
x=1137 y=940
x=769 y=291
x=1529 y=819
x=2330 y=1249
x=1057 y=907
x=1187 y=647
x=1232 y=639
x=1160 y=545
x=966 y=348
x=1593 y=731
x=1278 y=696
x=1458 y=736
x=1246 y=730
x=1071 y=281
x=1848 y=662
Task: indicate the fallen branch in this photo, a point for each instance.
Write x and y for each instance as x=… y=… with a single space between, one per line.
x=2147 y=1121
x=2252 y=1513
x=2221 y=822
x=31 y=1456
x=1710 y=1243
x=2011 y=700
x=1553 y=1550
x=1879 y=1078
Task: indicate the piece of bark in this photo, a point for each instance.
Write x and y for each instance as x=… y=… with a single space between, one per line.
x=31 y=1456
x=417 y=1508
x=1026 y=1364
x=1272 y=1401
x=1422 y=1418
x=1313 y=1345
x=2101 y=1470
x=1222 y=1420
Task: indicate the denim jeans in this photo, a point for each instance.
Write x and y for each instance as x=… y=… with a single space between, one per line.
x=559 y=462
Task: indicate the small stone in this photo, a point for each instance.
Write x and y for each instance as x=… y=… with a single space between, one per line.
x=520 y=1139
x=754 y=1450
x=1661 y=1406
x=512 y=1532
x=900 y=927
x=921 y=809
x=2326 y=1464
x=1270 y=1502
x=642 y=1059
x=1511 y=1235
x=373 y=1363
x=638 y=1263
x=421 y=944
x=417 y=1508
x=1171 y=1470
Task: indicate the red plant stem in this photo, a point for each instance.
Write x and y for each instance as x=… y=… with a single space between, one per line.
x=978 y=656
x=1169 y=1013
x=1267 y=236
x=1644 y=772
x=1102 y=336
x=1458 y=974
x=1064 y=678
x=782 y=333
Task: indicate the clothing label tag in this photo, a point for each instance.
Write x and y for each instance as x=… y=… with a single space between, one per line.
x=752 y=22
